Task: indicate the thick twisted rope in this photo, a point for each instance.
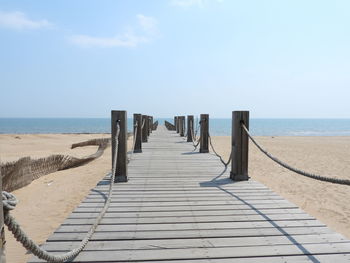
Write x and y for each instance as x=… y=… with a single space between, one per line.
x=10 y=201
x=218 y=155
x=183 y=129
x=133 y=143
x=194 y=142
x=191 y=130
x=298 y=171
x=198 y=124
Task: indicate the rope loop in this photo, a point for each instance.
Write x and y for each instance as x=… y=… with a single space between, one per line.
x=9 y=201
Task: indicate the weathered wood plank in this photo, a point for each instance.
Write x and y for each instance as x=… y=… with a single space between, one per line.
x=91 y=212
x=198 y=242
x=192 y=219
x=145 y=208
x=193 y=233
x=210 y=252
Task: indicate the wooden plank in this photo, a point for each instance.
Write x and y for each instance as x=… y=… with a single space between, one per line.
x=145 y=208
x=83 y=225
x=152 y=195
x=128 y=202
x=192 y=233
x=93 y=211
x=177 y=198
x=184 y=209
x=197 y=242
x=271 y=259
x=219 y=252
x=196 y=219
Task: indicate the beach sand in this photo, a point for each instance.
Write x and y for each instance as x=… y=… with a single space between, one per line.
x=46 y=202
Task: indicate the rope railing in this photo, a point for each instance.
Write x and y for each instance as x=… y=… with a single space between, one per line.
x=218 y=155
x=194 y=142
x=296 y=170
x=133 y=143
x=9 y=202
x=198 y=124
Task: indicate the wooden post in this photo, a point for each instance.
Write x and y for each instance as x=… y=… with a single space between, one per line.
x=175 y=119
x=177 y=124
x=152 y=123
x=204 y=141
x=121 y=170
x=145 y=128
x=239 y=144
x=149 y=125
x=182 y=126
x=2 y=229
x=155 y=125
x=138 y=130
x=190 y=129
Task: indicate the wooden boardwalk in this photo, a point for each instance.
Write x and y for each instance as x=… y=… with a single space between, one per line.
x=179 y=206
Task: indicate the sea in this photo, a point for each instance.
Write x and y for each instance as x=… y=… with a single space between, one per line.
x=217 y=127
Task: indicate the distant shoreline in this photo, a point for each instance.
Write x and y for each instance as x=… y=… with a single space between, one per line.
x=217 y=127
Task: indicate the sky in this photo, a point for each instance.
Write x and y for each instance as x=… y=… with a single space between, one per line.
x=81 y=58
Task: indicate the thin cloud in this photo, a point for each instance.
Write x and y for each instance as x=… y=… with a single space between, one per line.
x=148 y=24
x=18 y=20
x=148 y=32
x=125 y=40
x=187 y=3
x=190 y=3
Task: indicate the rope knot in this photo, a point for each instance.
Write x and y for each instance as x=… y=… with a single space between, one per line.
x=9 y=201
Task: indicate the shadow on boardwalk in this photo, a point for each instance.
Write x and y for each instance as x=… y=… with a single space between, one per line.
x=218 y=182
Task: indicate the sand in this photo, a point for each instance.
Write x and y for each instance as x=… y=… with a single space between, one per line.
x=45 y=203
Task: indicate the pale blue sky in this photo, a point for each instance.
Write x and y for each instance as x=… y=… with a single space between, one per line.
x=278 y=59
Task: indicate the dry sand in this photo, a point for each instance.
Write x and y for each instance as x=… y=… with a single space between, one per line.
x=45 y=203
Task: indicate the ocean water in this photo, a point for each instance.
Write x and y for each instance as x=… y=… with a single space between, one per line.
x=219 y=127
